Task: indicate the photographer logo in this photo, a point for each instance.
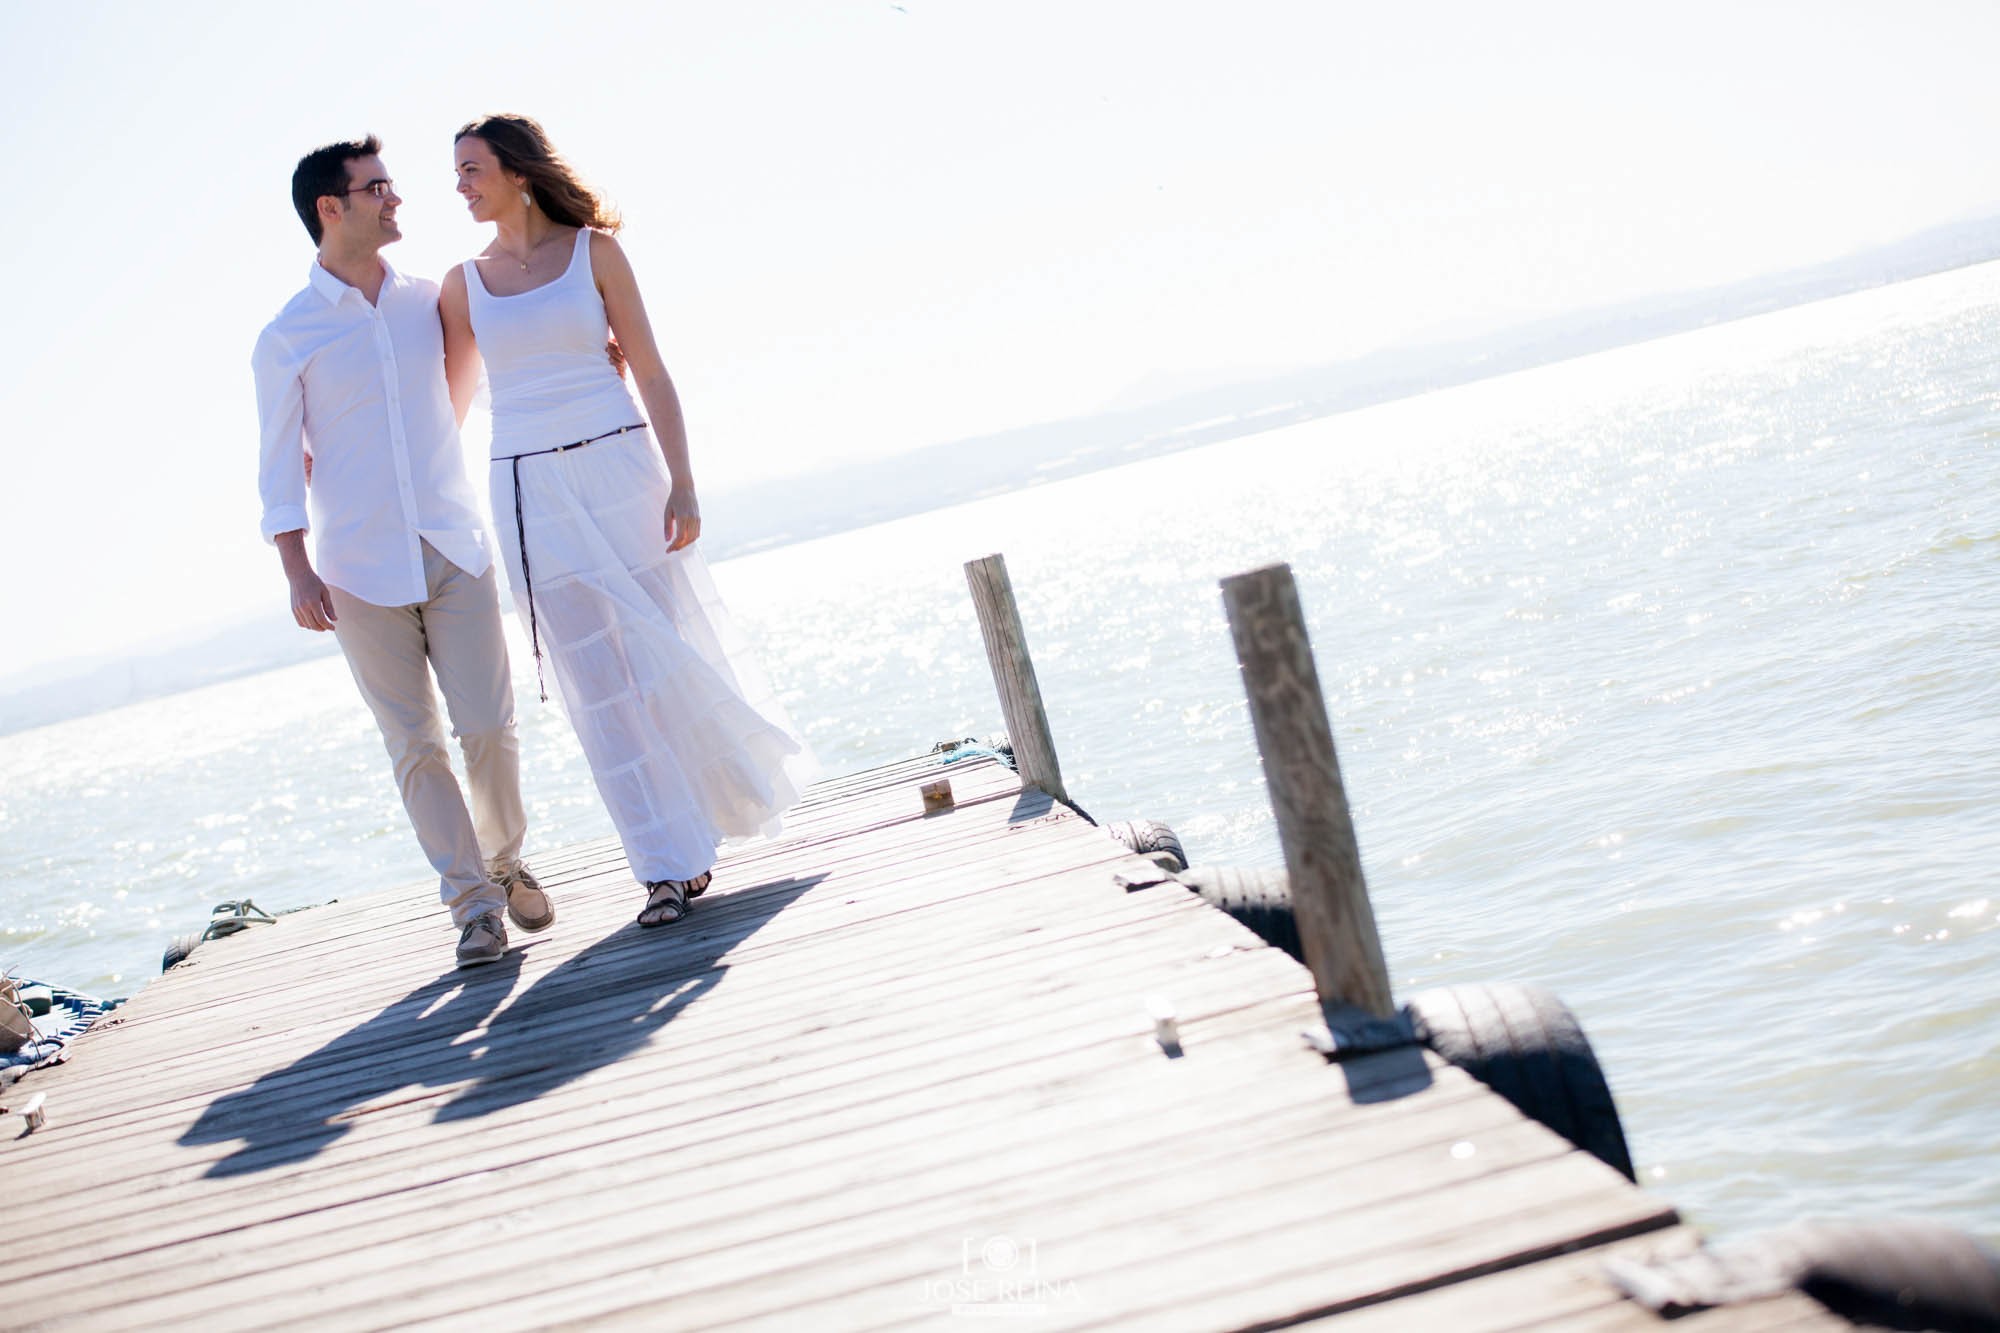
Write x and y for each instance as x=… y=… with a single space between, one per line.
x=1000 y=1276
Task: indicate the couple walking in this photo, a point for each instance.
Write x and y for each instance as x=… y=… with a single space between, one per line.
x=362 y=382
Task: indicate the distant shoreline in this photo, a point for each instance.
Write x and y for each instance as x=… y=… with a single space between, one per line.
x=937 y=476
x=793 y=510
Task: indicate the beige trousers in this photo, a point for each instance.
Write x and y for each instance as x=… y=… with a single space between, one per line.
x=392 y=651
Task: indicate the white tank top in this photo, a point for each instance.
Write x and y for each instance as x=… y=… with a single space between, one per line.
x=551 y=379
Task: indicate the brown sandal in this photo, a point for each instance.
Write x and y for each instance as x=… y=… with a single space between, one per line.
x=669 y=897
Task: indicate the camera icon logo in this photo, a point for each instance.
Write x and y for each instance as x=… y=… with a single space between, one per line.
x=998 y=1256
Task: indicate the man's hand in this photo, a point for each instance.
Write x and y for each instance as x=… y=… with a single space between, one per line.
x=683 y=518
x=312 y=604
x=617 y=355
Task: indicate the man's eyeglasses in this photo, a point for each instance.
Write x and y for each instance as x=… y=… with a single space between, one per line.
x=381 y=189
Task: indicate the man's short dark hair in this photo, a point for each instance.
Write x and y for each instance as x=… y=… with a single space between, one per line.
x=323 y=171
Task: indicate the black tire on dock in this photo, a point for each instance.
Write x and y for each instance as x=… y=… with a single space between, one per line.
x=1887 y=1272
x=1895 y=1272
x=1150 y=839
x=178 y=951
x=1522 y=1042
x=1260 y=899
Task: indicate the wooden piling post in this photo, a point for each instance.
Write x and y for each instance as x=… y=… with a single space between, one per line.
x=1329 y=897
x=1014 y=675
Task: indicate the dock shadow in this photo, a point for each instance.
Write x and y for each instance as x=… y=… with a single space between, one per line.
x=535 y=1046
x=1385 y=1061
x=593 y=1010
x=1032 y=803
x=1385 y=1076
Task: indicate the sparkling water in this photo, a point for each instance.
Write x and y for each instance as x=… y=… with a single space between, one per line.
x=1659 y=677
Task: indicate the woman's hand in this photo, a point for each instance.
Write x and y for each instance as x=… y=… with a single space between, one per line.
x=683 y=517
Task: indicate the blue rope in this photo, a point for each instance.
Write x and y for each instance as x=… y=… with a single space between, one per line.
x=78 y=1013
x=978 y=752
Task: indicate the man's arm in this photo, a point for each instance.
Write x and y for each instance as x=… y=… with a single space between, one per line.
x=281 y=477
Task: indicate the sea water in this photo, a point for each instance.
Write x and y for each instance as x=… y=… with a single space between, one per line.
x=1661 y=677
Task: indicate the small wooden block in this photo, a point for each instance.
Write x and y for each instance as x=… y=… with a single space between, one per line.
x=937 y=796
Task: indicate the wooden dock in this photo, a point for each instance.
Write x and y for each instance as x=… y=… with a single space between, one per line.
x=894 y=1070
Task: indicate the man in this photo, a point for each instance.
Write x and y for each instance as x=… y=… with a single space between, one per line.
x=351 y=372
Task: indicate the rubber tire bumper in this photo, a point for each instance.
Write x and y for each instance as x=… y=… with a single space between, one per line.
x=1522 y=1042
x=1260 y=899
x=178 y=951
x=1152 y=839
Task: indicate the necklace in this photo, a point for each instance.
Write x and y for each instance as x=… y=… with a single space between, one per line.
x=523 y=259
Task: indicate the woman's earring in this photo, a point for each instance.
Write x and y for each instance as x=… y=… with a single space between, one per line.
x=527 y=199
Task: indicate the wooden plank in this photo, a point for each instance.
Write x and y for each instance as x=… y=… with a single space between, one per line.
x=889 y=1034
x=1004 y=930
x=338 y=992
x=901 y=1047
x=989 y=785
x=1123 y=1228
x=859 y=1216
x=733 y=1047
x=853 y=1041
x=1569 y=1293
x=873 y=1094
x=768 y=1184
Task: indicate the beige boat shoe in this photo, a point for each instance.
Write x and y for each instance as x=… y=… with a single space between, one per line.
x=484 y=940
x=527 y=905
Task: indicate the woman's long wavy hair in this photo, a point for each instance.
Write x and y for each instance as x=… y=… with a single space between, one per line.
x=523 y=146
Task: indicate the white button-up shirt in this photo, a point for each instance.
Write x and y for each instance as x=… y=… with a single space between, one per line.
x=362 y=386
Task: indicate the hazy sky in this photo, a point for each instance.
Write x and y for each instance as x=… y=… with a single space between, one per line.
x=863 y=227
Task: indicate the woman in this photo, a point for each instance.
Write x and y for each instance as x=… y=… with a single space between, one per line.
x=597 y=518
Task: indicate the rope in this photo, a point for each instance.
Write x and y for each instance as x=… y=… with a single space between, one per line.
x=971 y=748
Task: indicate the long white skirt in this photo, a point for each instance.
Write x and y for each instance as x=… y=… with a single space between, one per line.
x=684 y=735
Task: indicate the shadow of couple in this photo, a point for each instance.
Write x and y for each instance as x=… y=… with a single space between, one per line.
x=459 y=1035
